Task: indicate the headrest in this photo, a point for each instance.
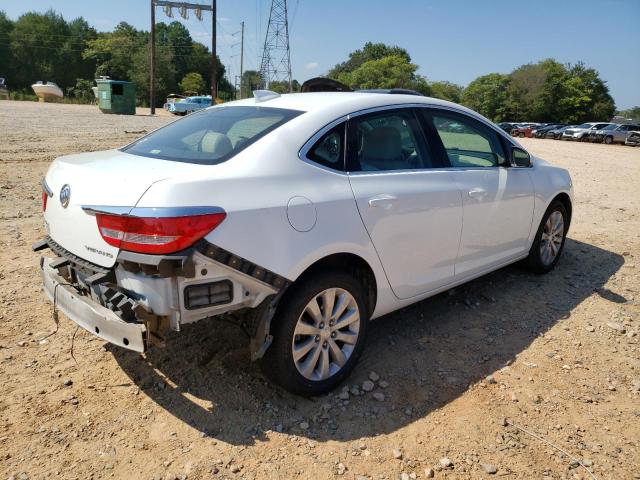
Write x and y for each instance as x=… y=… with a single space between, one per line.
x=216 y=143
x=382 y=144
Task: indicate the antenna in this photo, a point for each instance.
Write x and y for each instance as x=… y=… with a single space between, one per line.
x=276 y=56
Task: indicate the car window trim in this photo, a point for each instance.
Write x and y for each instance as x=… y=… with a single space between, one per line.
x=302 y=153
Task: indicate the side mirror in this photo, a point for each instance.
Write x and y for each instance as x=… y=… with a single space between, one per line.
x=520 y=158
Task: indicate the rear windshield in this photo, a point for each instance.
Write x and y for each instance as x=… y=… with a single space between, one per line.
x=211 y=136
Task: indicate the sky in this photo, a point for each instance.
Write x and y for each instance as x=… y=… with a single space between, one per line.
x=454 y=40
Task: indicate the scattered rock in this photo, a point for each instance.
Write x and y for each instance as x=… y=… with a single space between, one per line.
x=22 y=343
x=383 y=384
x=397 y=454
x=490 y=380
x=344 y=395
x=68 y=382
x=234 y=469
x=587 y=462
x=368 y=386
x=446 y=463
x=429 y=473
x=341 y=469
x=490 y=469
x=590 y=328
x=379 y=396
x=304 y=425
x=620 y=328
x=374 y=377
x=404 y=476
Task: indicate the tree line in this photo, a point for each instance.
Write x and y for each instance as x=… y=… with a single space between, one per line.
x=547 y=91
x=44 y=46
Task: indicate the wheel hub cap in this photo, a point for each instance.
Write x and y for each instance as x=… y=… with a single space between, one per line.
x=552 y=236
x=326 y=334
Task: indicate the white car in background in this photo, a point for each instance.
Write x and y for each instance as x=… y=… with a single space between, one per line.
x=581 y=132
x=188 y=105
x=301 y=216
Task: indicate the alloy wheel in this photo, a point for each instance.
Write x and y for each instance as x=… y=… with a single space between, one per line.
x=326 y=334
x=552 y=236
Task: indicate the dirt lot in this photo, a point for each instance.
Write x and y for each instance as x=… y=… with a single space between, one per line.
x=556 y=355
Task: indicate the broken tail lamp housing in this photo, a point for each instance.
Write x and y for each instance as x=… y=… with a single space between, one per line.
x=206 y=295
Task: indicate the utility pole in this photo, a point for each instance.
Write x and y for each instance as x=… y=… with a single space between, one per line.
x=152 y=62
x=183 y=8
x=214 y=63
x=241 y=55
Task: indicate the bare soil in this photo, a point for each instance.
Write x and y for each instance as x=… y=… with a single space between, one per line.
x=557 y=355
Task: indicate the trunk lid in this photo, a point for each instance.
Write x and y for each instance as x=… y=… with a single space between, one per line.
x=107 y=178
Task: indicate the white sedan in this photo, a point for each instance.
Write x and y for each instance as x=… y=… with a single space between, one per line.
x=302 y=217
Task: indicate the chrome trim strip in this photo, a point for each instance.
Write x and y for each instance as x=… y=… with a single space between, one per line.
x=152 y=212
x=46 y=188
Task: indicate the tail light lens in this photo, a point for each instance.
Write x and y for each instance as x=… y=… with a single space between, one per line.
x=45 y=196
x=156 y=235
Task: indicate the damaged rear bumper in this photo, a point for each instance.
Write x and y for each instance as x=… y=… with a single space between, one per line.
x=89 y=315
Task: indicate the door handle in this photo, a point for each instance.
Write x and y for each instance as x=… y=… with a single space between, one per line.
x=384 y=201
x=478 y=193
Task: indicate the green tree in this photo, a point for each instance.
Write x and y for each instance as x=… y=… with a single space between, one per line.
x=446 y=91
x=632 y=113
x=251 y=80
x=283 y=86
x=192 y=82
x=487 y=95
x=6 y=55
x=37 y=49
x=370 y=51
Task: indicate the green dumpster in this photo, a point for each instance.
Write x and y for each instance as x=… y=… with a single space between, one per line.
x=116 y=96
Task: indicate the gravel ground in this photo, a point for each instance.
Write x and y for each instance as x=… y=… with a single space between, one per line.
x=458 y=380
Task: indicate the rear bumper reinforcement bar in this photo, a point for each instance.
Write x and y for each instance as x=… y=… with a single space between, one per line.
x=89 y=315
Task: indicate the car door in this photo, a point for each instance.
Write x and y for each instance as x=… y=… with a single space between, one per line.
x=410 y=205
x=498 y=199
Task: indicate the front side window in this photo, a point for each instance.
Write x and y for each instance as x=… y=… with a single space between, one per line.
x=466 y=141
x=329 y=150
x=211 y=136
x=387 y=140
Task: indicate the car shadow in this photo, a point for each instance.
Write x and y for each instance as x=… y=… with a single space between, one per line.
x=429 y=353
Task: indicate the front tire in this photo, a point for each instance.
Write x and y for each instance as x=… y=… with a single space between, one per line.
x=550 y=238
x=318 y=334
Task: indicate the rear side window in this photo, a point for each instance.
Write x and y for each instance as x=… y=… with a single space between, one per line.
x=387 y=140
x=211 y=136
x=467 y=142
x=329 y=150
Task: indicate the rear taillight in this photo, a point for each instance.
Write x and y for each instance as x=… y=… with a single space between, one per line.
x=155 y=235
x=45 y=196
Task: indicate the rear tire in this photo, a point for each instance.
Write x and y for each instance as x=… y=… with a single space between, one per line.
x=608 y=140
x=313 y=351
x=549 y=240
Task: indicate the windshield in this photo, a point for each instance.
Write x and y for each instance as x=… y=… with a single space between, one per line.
x=211 y=136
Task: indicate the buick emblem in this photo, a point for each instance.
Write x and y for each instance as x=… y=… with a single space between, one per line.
x=65 y=196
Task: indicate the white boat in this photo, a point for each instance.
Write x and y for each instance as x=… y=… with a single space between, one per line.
x=47 y=90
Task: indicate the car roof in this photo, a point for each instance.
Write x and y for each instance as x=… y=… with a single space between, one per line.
x=341 y=101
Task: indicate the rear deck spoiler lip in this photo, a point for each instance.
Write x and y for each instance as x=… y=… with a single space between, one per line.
x=152 y=212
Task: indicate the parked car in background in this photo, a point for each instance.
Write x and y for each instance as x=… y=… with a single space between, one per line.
x=613 y=133
x=4 y=89
x=188 y=105
x=507 y=126
x=556 y=133
x=581 y=132
x=541 y=131
x=300 y=216
x=633 y=139
x=523 y=130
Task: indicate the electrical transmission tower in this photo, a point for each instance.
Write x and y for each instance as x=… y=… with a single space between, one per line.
x=275 y=65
